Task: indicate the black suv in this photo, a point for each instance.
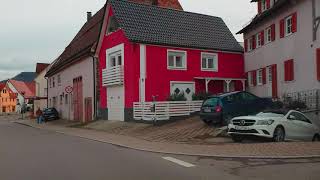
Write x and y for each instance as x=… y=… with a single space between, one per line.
x=222 y=108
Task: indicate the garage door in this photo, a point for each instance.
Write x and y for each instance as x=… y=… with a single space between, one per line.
x=115 y=101
x=187 y=88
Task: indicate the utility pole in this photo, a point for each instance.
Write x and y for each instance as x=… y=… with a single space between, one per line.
x=316 y=20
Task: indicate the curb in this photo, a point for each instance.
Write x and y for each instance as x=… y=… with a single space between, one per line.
x=176 y=153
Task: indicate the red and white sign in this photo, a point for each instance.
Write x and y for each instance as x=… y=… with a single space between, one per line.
x=69 y=89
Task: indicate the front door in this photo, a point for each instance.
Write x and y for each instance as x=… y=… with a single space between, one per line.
x=77 y=99
x=187 y=88
x=115 y=103
x=88 y=109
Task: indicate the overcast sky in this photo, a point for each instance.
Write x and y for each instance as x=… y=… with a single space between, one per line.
x=38 y=30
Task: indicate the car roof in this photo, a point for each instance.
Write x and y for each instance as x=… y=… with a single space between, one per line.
x=225 y=94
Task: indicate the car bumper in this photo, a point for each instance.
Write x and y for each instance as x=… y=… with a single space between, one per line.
x=213 y=117
x=255 y=130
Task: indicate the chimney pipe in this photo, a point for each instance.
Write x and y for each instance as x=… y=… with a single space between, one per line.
x=89 y=16
x=155 y=2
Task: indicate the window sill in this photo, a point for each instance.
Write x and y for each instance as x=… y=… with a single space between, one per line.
x=177 y=69
x=209 y=70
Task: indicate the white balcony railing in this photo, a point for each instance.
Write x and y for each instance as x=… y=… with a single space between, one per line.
x=112 y=76
x=164 y=110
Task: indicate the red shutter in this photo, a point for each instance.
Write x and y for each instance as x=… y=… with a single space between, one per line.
x=289 y=70
x=254 y=78
x=254 y=42
x=268 y=4
x=262 y=38
x=273 y=32
x=274 y=81
x=264 y=76
x=294 y=22
x=246 y=45
x=282 y=28
x=318 y=63
x=259 y=7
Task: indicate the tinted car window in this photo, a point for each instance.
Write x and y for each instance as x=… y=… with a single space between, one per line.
x=248 y=96
x=212 y=102
x=300 y=117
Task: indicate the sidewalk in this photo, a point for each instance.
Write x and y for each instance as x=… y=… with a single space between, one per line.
x=228 y=150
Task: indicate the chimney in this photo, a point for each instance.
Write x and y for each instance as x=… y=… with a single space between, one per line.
x=89 y=16
x=155 y=2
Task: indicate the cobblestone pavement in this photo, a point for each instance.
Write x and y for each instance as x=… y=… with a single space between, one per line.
x=189 y=131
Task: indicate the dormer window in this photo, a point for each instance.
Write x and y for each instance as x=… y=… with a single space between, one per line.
x=113 y=25
x=264 y=5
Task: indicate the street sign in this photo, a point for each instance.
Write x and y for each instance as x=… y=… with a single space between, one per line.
x=69 y=89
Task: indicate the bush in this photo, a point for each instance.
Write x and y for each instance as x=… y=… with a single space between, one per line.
x=177 y=97
x=297 y=105
x=200 y=96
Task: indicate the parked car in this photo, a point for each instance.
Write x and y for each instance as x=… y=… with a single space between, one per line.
x=222 y=108
x=50 y=114
x=278 y=125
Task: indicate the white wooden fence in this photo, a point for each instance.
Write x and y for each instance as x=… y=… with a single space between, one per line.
x=164 y=110
x=112 y=76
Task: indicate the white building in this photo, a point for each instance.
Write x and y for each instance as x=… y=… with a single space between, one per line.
x=282 y=45
x=41 y=86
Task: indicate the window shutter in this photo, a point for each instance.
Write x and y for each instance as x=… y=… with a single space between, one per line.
x=294 y=22
x=254 y=78
x=259 y=7
x=254 y=42
x=268 y=4
x=274 y=81
x=282 y=28
x=289 y=70
x=246 y=45
x=291 y=66
x=318 y=63
x=286 y=71
x=262 y=37
x=273 y=32
x=264 y=76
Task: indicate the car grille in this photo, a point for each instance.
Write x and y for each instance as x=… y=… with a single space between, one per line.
x=243 y=122
x=252 y=131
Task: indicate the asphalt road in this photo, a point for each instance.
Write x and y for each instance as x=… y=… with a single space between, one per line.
x=32 y=154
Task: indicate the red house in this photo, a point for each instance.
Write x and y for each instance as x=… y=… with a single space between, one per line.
x=147 y=52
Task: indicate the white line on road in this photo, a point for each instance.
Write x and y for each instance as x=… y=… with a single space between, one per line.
x=177 y=161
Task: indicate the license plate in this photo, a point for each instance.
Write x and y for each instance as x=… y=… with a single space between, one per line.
x=242 y=128
x=207 y=110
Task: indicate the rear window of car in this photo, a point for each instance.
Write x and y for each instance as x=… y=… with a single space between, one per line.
x=48 y=110
x=212 y=102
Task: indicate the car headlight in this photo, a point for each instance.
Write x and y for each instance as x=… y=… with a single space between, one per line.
x=265 y=122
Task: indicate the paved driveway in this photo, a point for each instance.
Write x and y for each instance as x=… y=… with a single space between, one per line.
x=28 y=153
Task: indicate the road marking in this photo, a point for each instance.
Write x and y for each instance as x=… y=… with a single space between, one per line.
x=177 y=161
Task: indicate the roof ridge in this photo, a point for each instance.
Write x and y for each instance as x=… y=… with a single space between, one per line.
x=167 y=8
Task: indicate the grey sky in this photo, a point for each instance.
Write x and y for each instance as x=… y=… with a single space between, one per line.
x=38 y=30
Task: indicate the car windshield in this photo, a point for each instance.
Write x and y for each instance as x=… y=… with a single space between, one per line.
x=212 y=102
x=269 y=114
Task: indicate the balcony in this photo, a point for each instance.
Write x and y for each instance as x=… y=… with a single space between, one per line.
x=112 y=76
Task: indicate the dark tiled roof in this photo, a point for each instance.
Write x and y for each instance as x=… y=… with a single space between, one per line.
x=25 y=76
x=40 y=67
x=83 y=44
x=161 y=26
x=263 y=16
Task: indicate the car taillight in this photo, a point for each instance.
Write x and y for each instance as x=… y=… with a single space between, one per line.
x=218 y=108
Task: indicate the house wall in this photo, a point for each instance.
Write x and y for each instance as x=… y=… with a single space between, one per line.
x=83 y=68
x=20 y=98
x=9 y=103
x=298 y=46
x=41 y=91
x=230 y=65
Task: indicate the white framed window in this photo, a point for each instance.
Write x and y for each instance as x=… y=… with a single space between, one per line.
x=59 y=80
x=53 y=82
x=250 y=82
x=250 y=44
x=268 y=36
x=259 y=77
x=269 y=77
x=115 y=59
x=288 y=25
x=264 y=5
x=258 y=40
x=177 y=60
x=209 y=62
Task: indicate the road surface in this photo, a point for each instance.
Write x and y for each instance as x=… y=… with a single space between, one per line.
x=32 y=154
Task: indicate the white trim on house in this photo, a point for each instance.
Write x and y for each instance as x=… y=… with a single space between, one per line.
x=258 y=40
x=215 y=62
x=268 y=35
x=115 y=49
x=184 y=60
x=250 y=79
x=288 y=26
x=259 y=77
x=143 y=74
